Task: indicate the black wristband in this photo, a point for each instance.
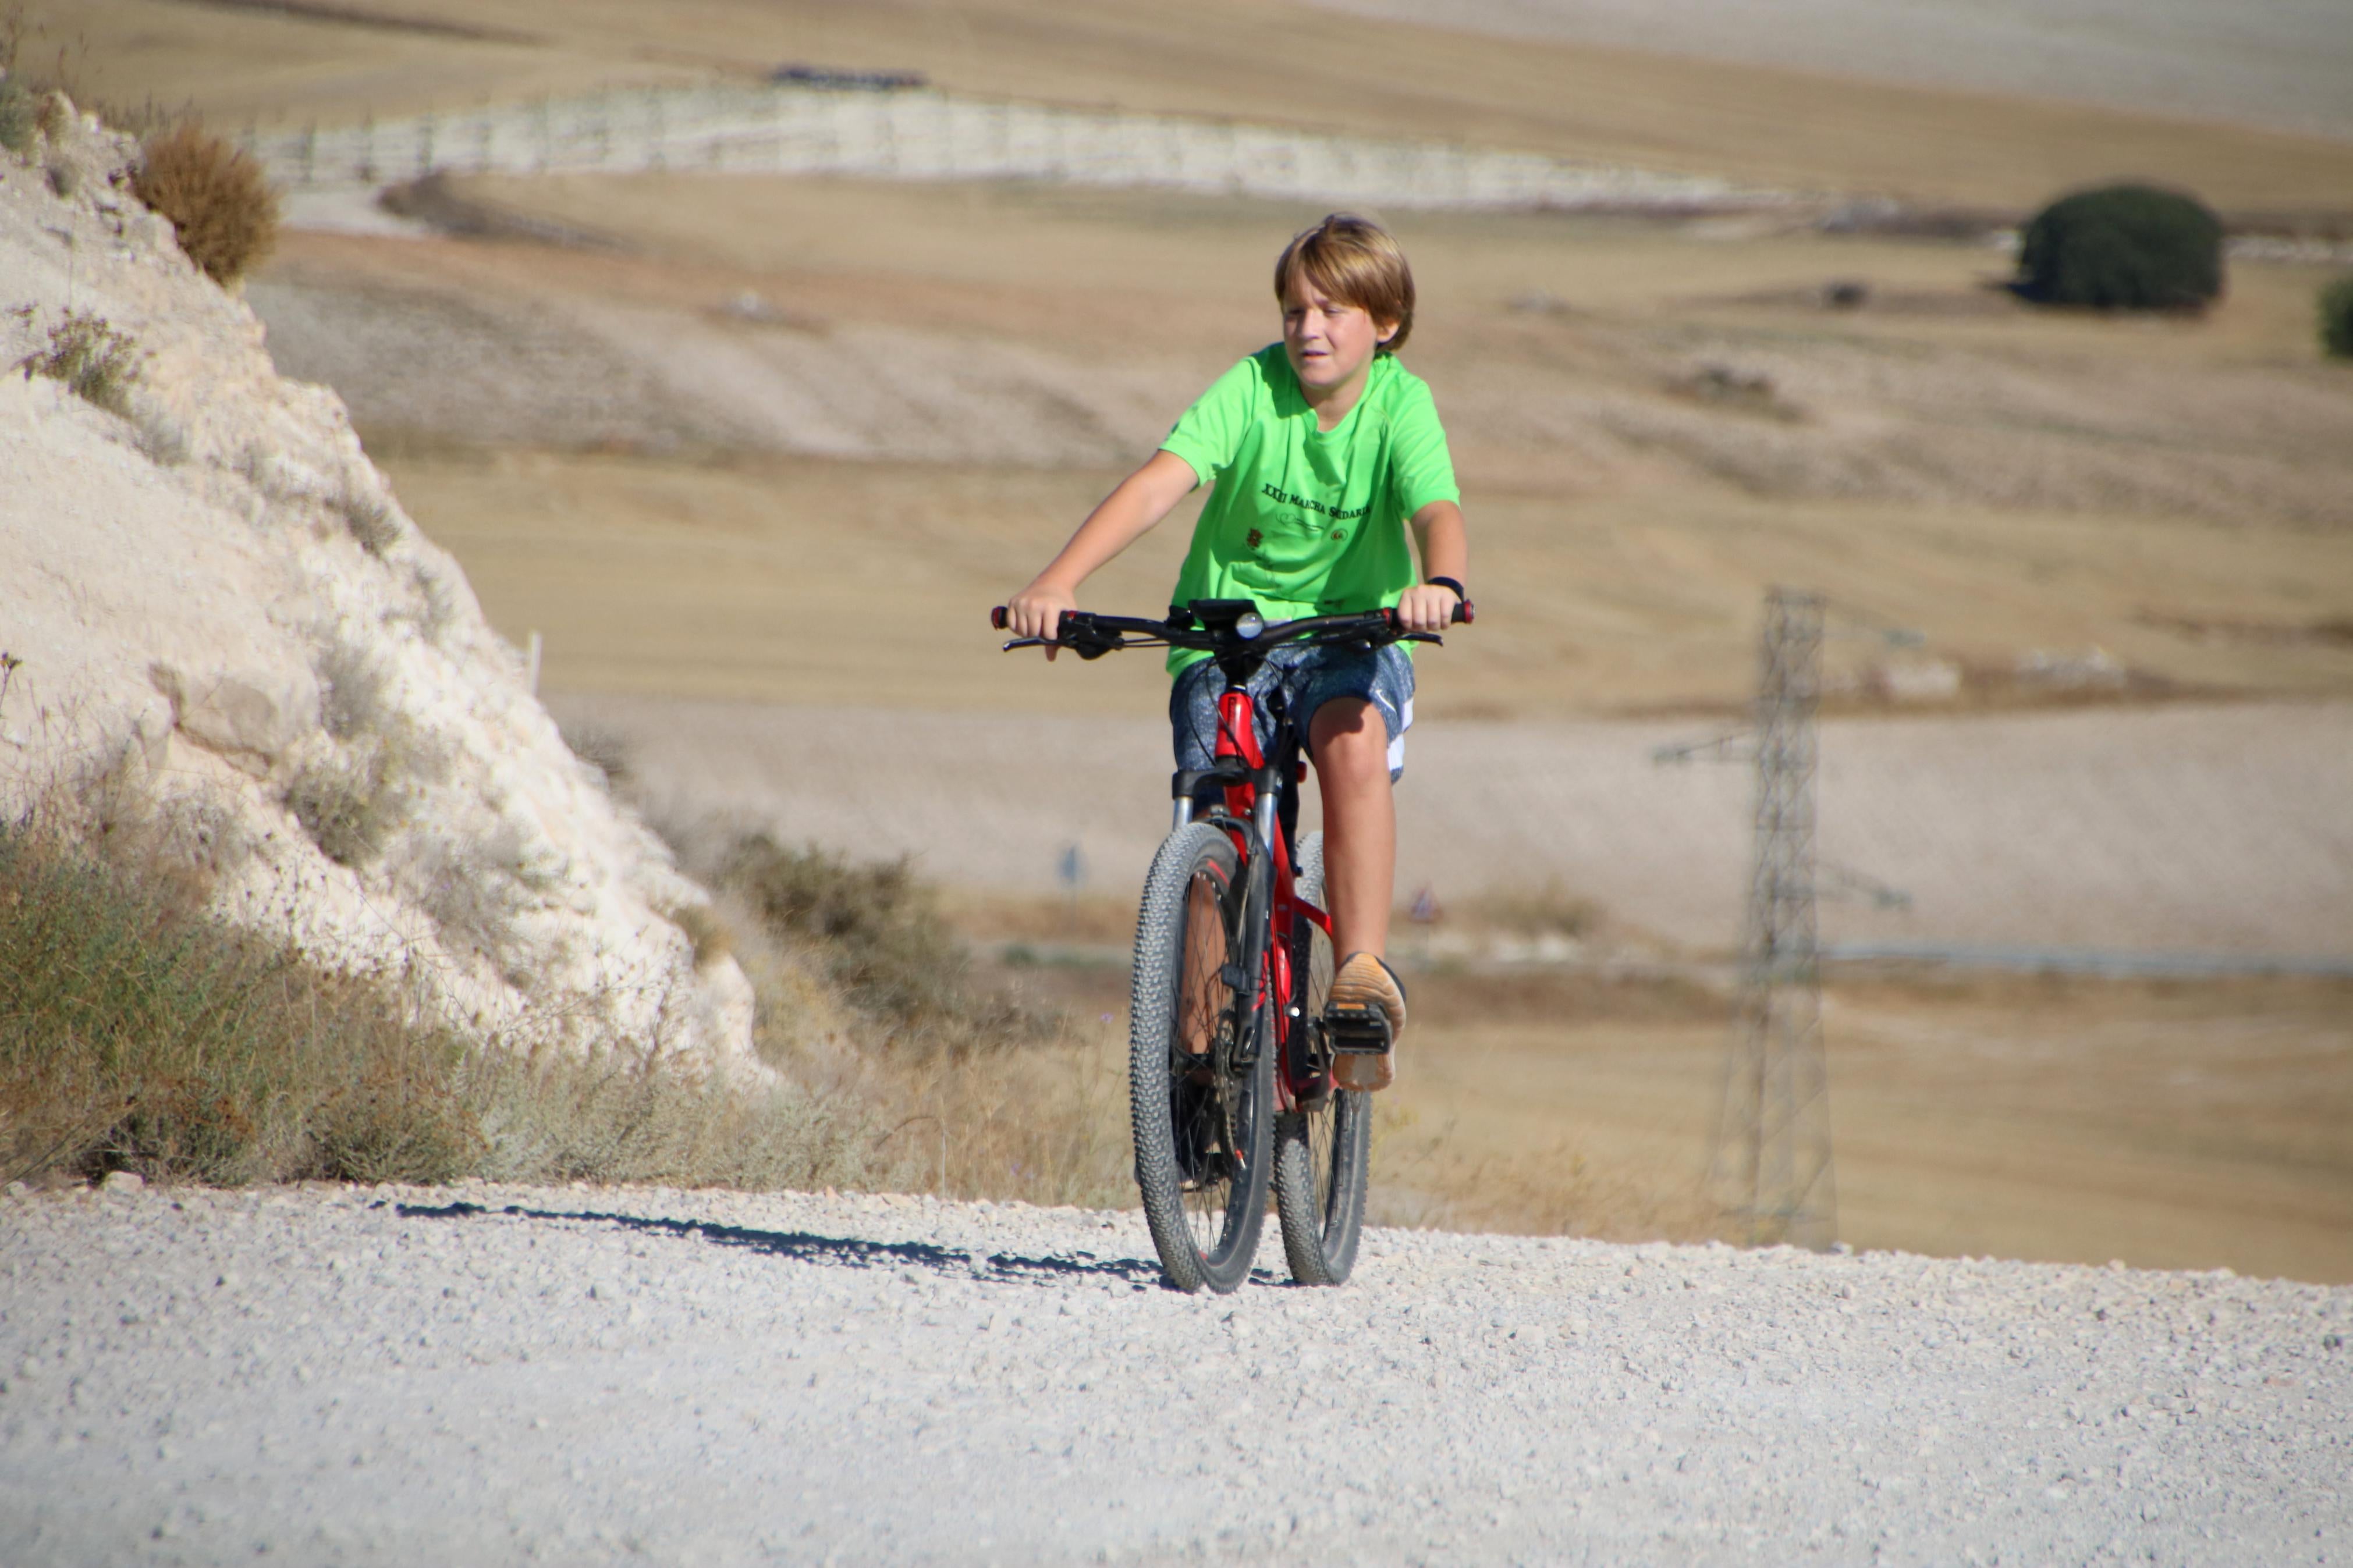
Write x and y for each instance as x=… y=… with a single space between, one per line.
x=1448 y=583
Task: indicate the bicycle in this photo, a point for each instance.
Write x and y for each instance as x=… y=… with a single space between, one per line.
x=1233 y=955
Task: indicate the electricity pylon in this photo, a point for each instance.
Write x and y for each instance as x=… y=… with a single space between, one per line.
x=1770 y=1164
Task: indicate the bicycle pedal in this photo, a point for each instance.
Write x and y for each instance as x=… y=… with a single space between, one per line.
x=1358 y=1032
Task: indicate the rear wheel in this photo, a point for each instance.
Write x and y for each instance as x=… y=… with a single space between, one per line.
x=1201 y=1093
x=1322 y=1150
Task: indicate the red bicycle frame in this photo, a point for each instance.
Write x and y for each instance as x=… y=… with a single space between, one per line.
x=1237 y=738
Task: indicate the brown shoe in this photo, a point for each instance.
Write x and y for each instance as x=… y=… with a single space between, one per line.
x=1367 y=986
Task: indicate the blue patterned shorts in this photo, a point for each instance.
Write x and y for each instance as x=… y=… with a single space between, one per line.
x=1309 y=677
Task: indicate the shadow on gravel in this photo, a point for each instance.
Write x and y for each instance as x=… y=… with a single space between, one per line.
x=854 y=1252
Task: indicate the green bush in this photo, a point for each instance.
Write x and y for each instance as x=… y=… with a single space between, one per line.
x=2336 y=319
x=2122 y=247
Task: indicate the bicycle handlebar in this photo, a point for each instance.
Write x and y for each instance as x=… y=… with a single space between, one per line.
x=1093 y=636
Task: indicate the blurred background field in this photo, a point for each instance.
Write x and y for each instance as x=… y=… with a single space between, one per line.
x=753 y=453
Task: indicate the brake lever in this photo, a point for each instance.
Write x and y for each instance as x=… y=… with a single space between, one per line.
x=1090 y=649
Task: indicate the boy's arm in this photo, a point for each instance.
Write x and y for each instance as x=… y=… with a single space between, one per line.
x=1444 y=543
x=1123 y=517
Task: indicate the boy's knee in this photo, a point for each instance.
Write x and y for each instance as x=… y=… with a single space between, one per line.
x=1347 y=734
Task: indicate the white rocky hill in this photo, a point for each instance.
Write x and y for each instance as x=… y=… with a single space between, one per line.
x=225 y=618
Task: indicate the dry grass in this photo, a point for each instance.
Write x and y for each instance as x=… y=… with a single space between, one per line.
x=218 y=198
x=135 y=1034
x=352 y=702
x=877 y=936
x=967 y=1081
x=97 y=362
x=369 y=517
x=2170 y=1124
x=352 y=801
x=1544 y=909
x=138 y=1033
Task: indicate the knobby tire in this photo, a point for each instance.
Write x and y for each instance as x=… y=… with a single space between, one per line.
x=1203 y=1124
x=1322 y=1155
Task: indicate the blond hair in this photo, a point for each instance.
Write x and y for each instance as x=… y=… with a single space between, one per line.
x=1353 y=261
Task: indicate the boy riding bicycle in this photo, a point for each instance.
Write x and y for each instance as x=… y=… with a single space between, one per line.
x=1322 y=451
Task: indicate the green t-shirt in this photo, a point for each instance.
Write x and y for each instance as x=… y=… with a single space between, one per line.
x=1306 y=521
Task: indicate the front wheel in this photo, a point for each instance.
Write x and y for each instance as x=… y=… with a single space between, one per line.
x=1200 y=1086
x=1323 y=1149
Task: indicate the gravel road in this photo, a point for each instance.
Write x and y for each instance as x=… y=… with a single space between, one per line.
x=482 y=1375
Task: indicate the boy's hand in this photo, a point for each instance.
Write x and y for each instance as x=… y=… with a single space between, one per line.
x=1037 y=612
x=1427 y=607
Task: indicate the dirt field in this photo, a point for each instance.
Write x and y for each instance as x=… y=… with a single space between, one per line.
x=2184 y=1126
x=1822 y=128
x=2282 y=64
x=2175 y=494
x=2174 y=829
x=2170 y=1124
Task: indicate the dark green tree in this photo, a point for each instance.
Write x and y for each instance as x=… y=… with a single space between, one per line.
x=2122 y=247
x=2336 y=319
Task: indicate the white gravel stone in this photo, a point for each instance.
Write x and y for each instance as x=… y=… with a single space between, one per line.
x=491 y=1375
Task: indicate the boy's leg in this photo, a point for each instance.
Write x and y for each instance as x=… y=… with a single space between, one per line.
x=1350 y=746
x=1193 y=729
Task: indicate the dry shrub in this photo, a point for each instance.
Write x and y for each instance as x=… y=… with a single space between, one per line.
x=600 y=748
x=703 y=928
x=98 y=363
x=180 y=845
x=218 y=198
x=877 y=933
x=867 y=998
x=350 y=802
x=354 y=704
x=19 y=114
x=140 y=1032
x=371 y=520
x=474 y=901
x=163 y=439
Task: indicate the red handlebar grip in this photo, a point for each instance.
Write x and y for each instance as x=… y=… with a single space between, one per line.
x=996 y=617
